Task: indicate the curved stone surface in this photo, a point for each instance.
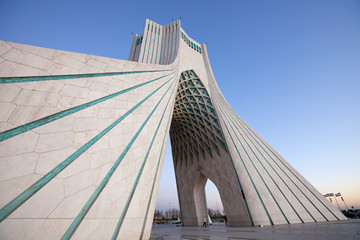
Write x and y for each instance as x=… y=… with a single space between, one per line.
x=83 y=138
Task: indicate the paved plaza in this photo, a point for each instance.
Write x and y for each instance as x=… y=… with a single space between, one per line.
x=344 y=230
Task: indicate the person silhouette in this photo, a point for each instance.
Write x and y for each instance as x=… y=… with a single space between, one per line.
x=204 y=224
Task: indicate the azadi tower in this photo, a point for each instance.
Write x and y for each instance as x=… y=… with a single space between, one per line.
x=83 y=139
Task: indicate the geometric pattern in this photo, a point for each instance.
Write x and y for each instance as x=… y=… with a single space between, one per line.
x=190 y=43
x=195 y=127
x=66 y=160
x=83 y=139
x=48 y=176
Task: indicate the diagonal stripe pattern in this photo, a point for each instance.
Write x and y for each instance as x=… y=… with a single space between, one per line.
x=83 y=139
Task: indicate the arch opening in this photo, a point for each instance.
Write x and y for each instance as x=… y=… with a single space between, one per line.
x=214 y=203
x=200 y=153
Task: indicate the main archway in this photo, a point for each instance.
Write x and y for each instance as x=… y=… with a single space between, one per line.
x=200 y=152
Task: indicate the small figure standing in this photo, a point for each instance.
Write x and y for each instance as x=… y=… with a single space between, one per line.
x=204 y=224
x=225 y=218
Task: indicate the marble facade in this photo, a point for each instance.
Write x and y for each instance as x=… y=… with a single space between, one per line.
x=83 y=138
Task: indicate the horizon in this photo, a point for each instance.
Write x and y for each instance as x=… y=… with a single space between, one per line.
x=295 y=78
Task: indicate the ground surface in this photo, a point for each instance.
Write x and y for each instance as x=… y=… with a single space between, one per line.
x=344 y=230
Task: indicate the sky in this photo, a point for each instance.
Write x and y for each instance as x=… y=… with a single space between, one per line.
x=290 y=69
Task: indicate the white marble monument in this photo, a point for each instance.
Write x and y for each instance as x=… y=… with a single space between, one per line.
x=83 y=138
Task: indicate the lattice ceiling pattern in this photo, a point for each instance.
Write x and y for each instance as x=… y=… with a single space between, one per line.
x=195 y=127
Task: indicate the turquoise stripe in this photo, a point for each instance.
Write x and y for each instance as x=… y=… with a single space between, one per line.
x=241 y=189
x=26 y=127
x=235 y=120
x=289 y=176
x=74 y=225
x=262 y=203
x=24 y=196
x=237 y=177
x=153 y=184
x=309 y=191
x=267 y=187
x=4 y=80
x=118 y=226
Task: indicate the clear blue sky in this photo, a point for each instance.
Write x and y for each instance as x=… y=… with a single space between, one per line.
x=290 y=69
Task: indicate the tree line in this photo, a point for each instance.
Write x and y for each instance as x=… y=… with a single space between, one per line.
x=175 y=214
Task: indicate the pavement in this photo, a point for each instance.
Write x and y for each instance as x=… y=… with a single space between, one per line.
x=342 y=230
